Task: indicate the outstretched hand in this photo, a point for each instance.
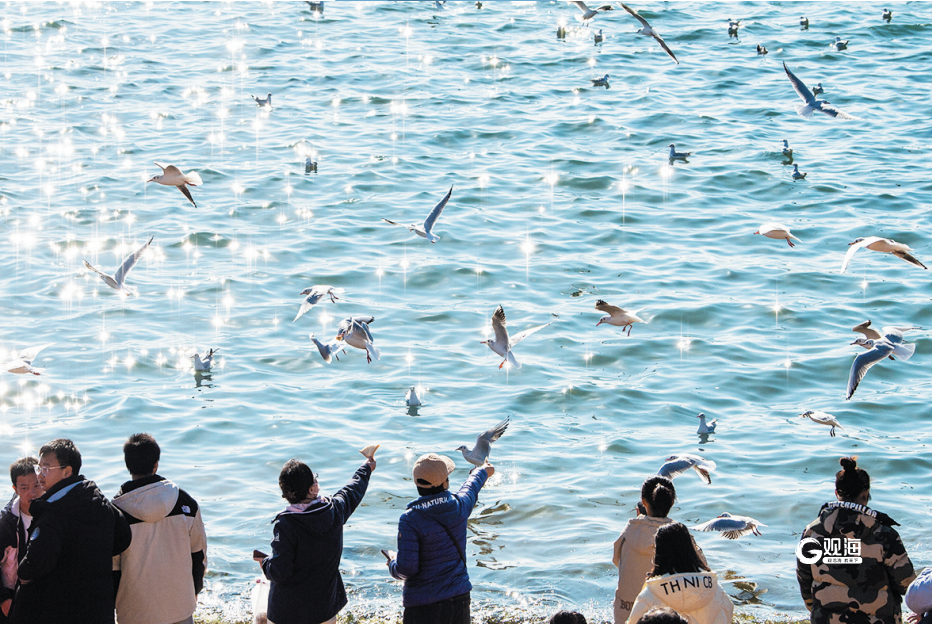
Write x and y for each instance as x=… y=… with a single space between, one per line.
x=370 y=461
x=489 y=468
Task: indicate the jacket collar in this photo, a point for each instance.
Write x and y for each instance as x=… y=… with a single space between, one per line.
x=129 y=486
x=881 y=517
x=432 y=500
x=68 y=481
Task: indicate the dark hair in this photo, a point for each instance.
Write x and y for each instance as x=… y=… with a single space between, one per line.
x=662 y=615
x=674 y=551
x=430 y=491
x=660 y=494
x=141 y=453
x=567 y=617
x=65 y=452
x=850 y=481
x=23 y=467
x=295 y=480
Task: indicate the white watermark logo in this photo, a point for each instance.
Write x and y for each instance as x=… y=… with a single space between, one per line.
x=830 y=550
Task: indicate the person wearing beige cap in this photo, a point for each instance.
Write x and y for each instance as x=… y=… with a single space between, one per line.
x=431 y=557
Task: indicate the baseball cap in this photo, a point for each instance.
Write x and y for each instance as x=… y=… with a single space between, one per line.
x=432 y=470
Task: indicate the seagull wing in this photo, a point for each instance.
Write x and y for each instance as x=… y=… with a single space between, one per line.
x=864 y=362
x=524 y=334
x=732 y=528
x=306 y=305
x=869 y=332
x=854 y=247
x=129 y=262
x=703 y=472
x=184 y=190
x=581 y=5
x=607 y=307
x=675 y=467
x=494 y=433
x=164 y=168
x=94 y=269
x=362 y=325
x=171 y=170
x=635 y=14
x=400 y=224
x=893 y=334
x=905 y=255
x=28 y=355
x=800 y=87
x=663 y=44
x=435 y=213
x=498 y=326
x=831 y=111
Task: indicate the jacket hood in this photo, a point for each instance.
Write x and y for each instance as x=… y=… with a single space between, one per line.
x=149 y=499
x=316 y=517
x=640 y=534
x=441 y=506
x=685 y=593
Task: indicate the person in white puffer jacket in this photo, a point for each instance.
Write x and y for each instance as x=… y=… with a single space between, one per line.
x=681 y=581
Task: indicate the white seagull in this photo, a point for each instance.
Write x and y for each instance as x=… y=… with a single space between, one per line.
x=172 y=176
x=314 y=294
x=887 y=15
x=426 y=230
x=905 y=351
x=354 y=331
x=480 y=453
x=731 y=526
x=587 y=13
x=704 y=427
x=811 y=104
x=21 y=363
x=618 y=317
x=678 y=464
x=797 y=175
x=818 y=90
x=675 y=155
x=777 y=231
x=267 y=101
x=804 y=22
x=878 y=349
x=330 y=350
x=117 y=281
x=840 y=45
x=883 y=245
x=203 y=366
x=647 y=31
x=787 y=150
x=411 y=397
x=823 y=419
x=600 y=82
x=502 y=344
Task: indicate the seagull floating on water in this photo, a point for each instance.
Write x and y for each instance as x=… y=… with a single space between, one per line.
x=480 y=452
x=117 y=281
x=600 y=82
x=172 y=176
x=203 y=366
x=823 y=419
x=883 y=245
x=787 y=151
x=267 y=101
x=561 y=31
x=840 y=45
x=761 y=50
x=426 y=230
x=502 y=344
x=811 y=103
x=797 y=175
x=887 y=15
x=704 y=427
x=330 y=350
x=675 y=155
x=678 y=464
x=21 y=364
x=314 y=294
x=733 y=27
x=315 y=7
x=804 y=22
x=354 y=331
x=878 y=349
x=598 y=38
x=587 y=13
x=731 y=526
x=616 y=316
x=310 y=165
x=777 y=231
x=905 y=351
x=411 y=398
x=647 y=31
x=818 y=90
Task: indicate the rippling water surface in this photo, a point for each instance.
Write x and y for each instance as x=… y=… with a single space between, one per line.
x=561 y=195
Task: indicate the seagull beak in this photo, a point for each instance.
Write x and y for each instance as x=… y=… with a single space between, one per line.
x=854 y=343
x=599 y=323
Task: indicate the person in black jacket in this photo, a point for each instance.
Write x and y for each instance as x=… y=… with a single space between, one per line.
x=15 y=520
x=307 y=543
x=65 y=577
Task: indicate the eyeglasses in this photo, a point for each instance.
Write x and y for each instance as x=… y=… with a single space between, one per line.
x=44 y=470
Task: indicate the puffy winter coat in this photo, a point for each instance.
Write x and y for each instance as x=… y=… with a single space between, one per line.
x=163 y=568
x=12 y=533
x=696 y=596
x=66 y=575
x=869 y=592
x=307 y=544
x=429 y=562
x=634 y=557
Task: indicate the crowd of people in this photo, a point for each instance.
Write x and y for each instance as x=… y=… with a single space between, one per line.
x=70 y=555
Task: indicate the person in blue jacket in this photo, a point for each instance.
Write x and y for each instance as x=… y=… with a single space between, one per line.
x=431 y=557
x=307 y=543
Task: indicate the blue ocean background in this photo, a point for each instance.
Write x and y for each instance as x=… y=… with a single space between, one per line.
x=562 y=195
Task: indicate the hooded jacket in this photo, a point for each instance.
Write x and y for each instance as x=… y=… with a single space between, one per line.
x=428 y=561
x=696 y=596
x=870 y=591
x=65 y=577
x=162 y=571
x=12 y=533
x=307 y=543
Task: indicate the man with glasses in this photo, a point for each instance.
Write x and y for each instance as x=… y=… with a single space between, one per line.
x=15 y=520
x=307 y=543
x=66 y=575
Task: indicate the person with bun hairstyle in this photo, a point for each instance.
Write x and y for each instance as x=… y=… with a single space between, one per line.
x=681 y=581
x=870 y=592
x=634 y=548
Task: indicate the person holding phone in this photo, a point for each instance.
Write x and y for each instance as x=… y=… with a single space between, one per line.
x=307 y=544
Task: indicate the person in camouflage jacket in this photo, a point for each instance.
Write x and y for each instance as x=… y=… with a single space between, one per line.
x=870 y=592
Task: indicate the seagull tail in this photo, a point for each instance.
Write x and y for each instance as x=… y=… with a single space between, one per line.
x=512 y=360
x=904 y=351
x=193 y=178
x=373 y=351
x=804 y=110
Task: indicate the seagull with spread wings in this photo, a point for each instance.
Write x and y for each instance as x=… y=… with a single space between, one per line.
x=648 y=31
x=354 y=331
x=172 y=176
x=587 y=13
x=21 y=363
x=619 y=317
x=811 y=104
x=883 y=245
x=502 y=344
x=314 y=294
x=117 y=281
x=426 y=230
x=905 y=351
x=479 y=454
x=889 y=344
x=731 y=526
x=678 y=464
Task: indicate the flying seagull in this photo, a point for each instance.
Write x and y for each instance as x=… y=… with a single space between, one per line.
x=889 y=344
x=905 y=351
x=731 y=526
x=647 y=31
x=823 y=419
x=883 y=245
x=777 y=231
x=811 y=103
x=21 y=364
x=502 y=344
x=426 y=230
x=619 y=317
x=587 y=13
x=117 y=281
x=330 y=350
x=314 y=294
x=354 y=331
x=678 y=464
x=480 y=453
x=172 y=176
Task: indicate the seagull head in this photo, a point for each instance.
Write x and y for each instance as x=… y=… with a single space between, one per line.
x=462 y=448
x=154 y=179
x=786 y=143
x=807 y=414
x=306 y=291
x=701 y=415
x=867 y=343
x=856 y=241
